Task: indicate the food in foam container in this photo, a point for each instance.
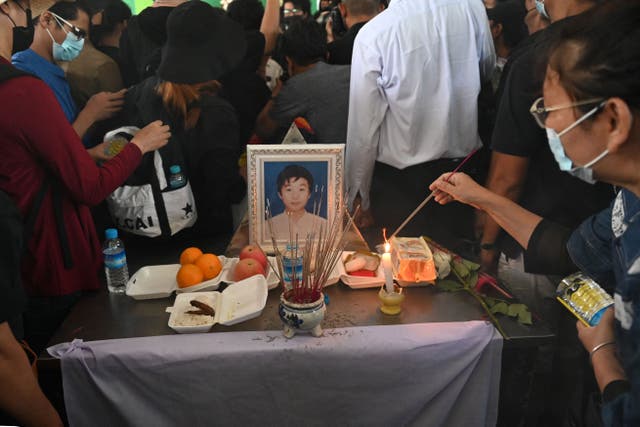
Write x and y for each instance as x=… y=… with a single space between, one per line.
x=362 y=263
x=412 y=260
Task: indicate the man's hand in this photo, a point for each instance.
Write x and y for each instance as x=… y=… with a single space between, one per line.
x=104 y=105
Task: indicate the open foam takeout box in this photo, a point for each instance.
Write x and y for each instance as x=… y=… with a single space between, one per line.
x=240 y=301
x=159 y=281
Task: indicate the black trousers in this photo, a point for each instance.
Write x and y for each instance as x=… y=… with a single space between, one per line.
x=395 y=193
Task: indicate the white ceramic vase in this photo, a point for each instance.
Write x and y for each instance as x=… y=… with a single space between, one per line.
x=302 y=317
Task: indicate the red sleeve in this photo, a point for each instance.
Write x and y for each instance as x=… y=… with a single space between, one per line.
x=55 y=143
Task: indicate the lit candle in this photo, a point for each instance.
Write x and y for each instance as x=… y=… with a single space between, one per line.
x=388 y=272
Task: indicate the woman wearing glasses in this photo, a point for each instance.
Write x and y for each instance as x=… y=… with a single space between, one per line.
x=591 y=113
x=59 y=36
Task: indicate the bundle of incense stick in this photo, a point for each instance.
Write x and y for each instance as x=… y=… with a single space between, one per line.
x=323 y=247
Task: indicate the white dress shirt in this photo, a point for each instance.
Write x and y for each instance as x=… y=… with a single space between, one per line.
x=415 y=79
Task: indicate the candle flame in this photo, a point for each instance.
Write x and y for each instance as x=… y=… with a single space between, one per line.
x=387 y=247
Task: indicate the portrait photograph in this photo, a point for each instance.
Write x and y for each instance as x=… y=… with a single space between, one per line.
x=293 y=191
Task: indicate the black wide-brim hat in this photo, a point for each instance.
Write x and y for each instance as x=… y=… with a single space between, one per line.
x=203 y=44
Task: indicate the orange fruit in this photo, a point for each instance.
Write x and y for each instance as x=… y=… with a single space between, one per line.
x=190 y=255
x=189 y=275
x=210 y=265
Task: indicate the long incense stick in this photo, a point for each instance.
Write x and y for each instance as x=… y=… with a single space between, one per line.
x=430 y=196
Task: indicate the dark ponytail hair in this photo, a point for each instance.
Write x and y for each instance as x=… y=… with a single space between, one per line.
x=597 y=55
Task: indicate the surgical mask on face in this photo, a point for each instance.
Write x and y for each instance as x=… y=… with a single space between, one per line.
x=541 y=9
x=585 y=172
x=69 y=49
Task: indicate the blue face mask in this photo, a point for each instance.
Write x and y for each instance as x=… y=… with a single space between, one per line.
x=540 y=8
x=70 y=47
x=585 y=172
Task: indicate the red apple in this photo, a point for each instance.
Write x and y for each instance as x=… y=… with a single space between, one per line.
x=254 y=252
x=246 y=268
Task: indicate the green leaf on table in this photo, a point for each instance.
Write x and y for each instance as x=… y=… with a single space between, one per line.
x=460 y=269
x=449 y=285
x=472 y=266
x=522 y=312
x=500 y=307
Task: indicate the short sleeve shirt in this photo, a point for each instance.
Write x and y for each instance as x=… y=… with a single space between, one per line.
x=321 y=96
x=548 y=191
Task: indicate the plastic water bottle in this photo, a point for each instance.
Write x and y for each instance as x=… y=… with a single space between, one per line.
x=177 y=178
x=115 y=262
x=291 y=266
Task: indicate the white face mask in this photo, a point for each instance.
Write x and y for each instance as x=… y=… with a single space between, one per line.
x=585 y=172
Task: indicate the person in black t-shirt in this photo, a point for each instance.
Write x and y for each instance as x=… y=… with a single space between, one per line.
x=355 y=13
x=523 y=167
x=524 y=170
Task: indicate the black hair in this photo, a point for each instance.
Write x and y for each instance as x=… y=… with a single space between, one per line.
x=511 y=15
x=68 y=10
x=596 y=55
x=303 y=5
x=115 y=12
x=362 y=7
x=304 y=41
x=247 y=13
x=294 y=171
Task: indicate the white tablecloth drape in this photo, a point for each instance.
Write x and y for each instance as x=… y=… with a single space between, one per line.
x=432 y=374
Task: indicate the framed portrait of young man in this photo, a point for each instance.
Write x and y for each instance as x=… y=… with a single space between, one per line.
x=294 y=190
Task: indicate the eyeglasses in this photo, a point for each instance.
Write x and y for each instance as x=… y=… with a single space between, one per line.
x=292 y=12
x=540 y=112
x=78 y=32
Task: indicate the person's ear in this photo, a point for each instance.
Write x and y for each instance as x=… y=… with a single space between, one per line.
x=496 y=29
x=45 y=19
x=343 y=10
x=619 y=123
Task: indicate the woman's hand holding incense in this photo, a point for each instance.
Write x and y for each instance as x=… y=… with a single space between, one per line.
x=459 y=187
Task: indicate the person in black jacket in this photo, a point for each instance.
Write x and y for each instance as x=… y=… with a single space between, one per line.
x=203 y=44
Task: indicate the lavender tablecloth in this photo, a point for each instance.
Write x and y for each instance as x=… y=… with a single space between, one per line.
x=432 y=374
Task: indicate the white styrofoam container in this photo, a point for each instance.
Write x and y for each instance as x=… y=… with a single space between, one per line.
x=159 y=281
x=241 y=301
x=358 y=282
x=272 y=277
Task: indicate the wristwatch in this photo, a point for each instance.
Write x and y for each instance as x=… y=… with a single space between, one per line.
x=488 y=246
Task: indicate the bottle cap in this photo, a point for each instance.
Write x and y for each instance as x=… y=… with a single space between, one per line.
x=111 y=233
x=174 y=169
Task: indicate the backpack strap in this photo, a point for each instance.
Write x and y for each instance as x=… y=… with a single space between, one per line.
x=8 y=71
x=33 y=214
